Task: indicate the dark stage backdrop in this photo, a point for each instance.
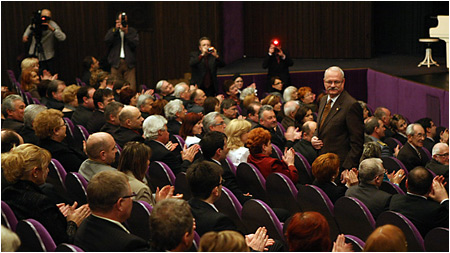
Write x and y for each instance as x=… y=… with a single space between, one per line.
x=168 y=31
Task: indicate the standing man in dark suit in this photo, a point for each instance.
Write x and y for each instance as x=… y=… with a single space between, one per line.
x=110 y=200
x=204 y=64
x=278 y=62
x=340 y=125
x=411 y=154
x=122 y=41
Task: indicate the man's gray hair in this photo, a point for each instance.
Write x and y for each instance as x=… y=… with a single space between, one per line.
x=369 y=169
x=152 y=124
x=438 y=147
x=306 y=129
x=142 y=98
x=247 y=91
x=159 y=85
x=179 y=89
x=171 y=108
x=263 y=109
x=209 y=120
x=410 y=128
x=8 y=103
x=290 y=107
x=333 y=68
x=113 y=108
x=287 y=94
x=31 y=111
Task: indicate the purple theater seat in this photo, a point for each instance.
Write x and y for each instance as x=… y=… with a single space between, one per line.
x=304 y=169
x=427 y=152
x=231 y=165
x=160 y=175
x=278 y=151
x=71 y=126
x=119 y=149
x=84 y=132
x=65 y=247
x=250 y=179
x=393 y=164
x=282 y=192
x=413 y=237
x=283 y=130
x=358 y=244
x=436 y=240
x=230 y=205
x=181 y=186
x=195 y=242
x=353 y=217
x=57 y=171
x=391 y=188
x=34 y=236
x=76 y=186
x=8 y=217
x=139 y=220
x=180 y=140
x=29 y=98
x=11 y=75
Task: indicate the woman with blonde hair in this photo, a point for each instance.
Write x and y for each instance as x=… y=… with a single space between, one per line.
x=223 y=241
x=386 y=238
x=26 y=166
x=30 y=81
x=70 y=100
x=237 y=133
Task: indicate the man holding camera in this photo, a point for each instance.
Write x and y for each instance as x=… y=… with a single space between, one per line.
x=278 y=63
x=204 y=64
x=44 y=31
x=122 y=41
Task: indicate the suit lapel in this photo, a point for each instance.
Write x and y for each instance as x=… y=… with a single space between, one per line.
x=334 y=110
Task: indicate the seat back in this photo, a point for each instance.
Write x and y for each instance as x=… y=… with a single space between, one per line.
x=65 y=247
x=283 y=130
x=391 y=188
x=11 y=75
x=413 y=237
x=230 y=205
x=393 y=164
x=34 y=237
x=59 y=170
x=9 y=219
x=139 y=220
x=256 y=213
x=427 y=152
x=76 y=186
x=70 y=126
x=278 y=152
x=231 y=165
x=57 y=176
x=181 y=186
x=357 y=244
x=312 y=198
x=84 y=132
x=250 y=179
x=436 y=240
x=195 y=243
x=304 y=169
x=282 y=192
x=180 y=140
x=29 y=99
x=159 y=175
x=353 y=217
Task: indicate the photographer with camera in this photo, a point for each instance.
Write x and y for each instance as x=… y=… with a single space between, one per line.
x=43 y=31
x=122 y=41
x=204 y=64
x=278 y=63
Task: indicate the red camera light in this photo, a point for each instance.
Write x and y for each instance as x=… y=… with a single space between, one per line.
x=275 y=42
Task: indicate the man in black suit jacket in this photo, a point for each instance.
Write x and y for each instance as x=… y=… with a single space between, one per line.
x=13 y=108
x=304 y=146
x=430 y=130
x=426 y=201
x=83 y=113
x=439 y=163
x=130 y=126
x=111 y=114
x=278 y=62
x=110 y=200
x=341 y=130
x=102 y=97
x=204 y=64
x=411 y=154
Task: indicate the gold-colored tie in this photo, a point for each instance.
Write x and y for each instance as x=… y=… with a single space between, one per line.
x=325 y=112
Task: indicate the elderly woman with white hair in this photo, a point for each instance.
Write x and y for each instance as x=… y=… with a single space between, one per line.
x=290 y=93
x=175 y=113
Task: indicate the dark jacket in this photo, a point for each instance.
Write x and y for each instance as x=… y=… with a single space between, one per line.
x=70 y=158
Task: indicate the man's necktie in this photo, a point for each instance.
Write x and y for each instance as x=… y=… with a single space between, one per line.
x=325 y=112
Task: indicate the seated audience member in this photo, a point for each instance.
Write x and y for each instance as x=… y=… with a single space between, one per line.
x=111 y=114
x=175 y=113
x=90 y=64
x=439 y=163
x=10 y=140
x=253 y=113
x=246 y=102
x=213 y=122
x=375 y=131
x=191 y=128
x=10 y=240
x=411 y=154
x=128 y=96
x=157 y=138
x=26 y=166
x=371 y=173
x=290 y=94
x=259 y=144
x=50 y=128
x=197 y=99
x=237 y=133
x=247 y=92
x=290 y=109
x=231 y=91
x=224 y=241
x=306 y=98
x=118 y=86
x=144 y=104
x=130 y=126
x=228 y=110
x=27 y=131
x=239 y=82
x=109 y=197
x=384 y=115
x=276 y=86
x=214 y=147
x=303 y=115
x=165 y=90
x=430 y=131
x=172 y=226
x=309 y=231
x=211 y=104
x=370 y=150
x=13 y=109
x=101 y=150
x=441 y=135
x=30 y=63
x=326 y=170
x=158 y=107
x=102 y=97
x=366 y=112
x=70 y=100
x=83 y=113
x=42 y=89
x=53 y=99
x=99 y=78
x=304 y=146
x=426 y=201
x=30 y=81
x=398 y=125
x=182 y=92
x=387 y=238
x=275 y=102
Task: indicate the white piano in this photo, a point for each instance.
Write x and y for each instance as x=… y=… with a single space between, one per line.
x=441 y=31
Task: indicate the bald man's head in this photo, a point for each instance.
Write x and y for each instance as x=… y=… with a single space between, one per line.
x=100 y=146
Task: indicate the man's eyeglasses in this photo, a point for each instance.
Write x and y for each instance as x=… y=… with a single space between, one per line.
x=443 y=155
x=219 y=124
x=130 y=196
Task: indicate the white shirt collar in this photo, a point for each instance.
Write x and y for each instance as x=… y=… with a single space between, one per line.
x=412 y=194
x=213 y=206
x=216 y=161
x=333 y=100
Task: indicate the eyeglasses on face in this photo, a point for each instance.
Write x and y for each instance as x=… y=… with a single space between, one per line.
x=130 y=196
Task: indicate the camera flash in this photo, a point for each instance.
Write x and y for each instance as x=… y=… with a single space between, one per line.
x=275 y=42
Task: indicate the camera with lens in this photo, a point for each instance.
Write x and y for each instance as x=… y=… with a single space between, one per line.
x=210 y=50
x=124 y=19
x=37 y=21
